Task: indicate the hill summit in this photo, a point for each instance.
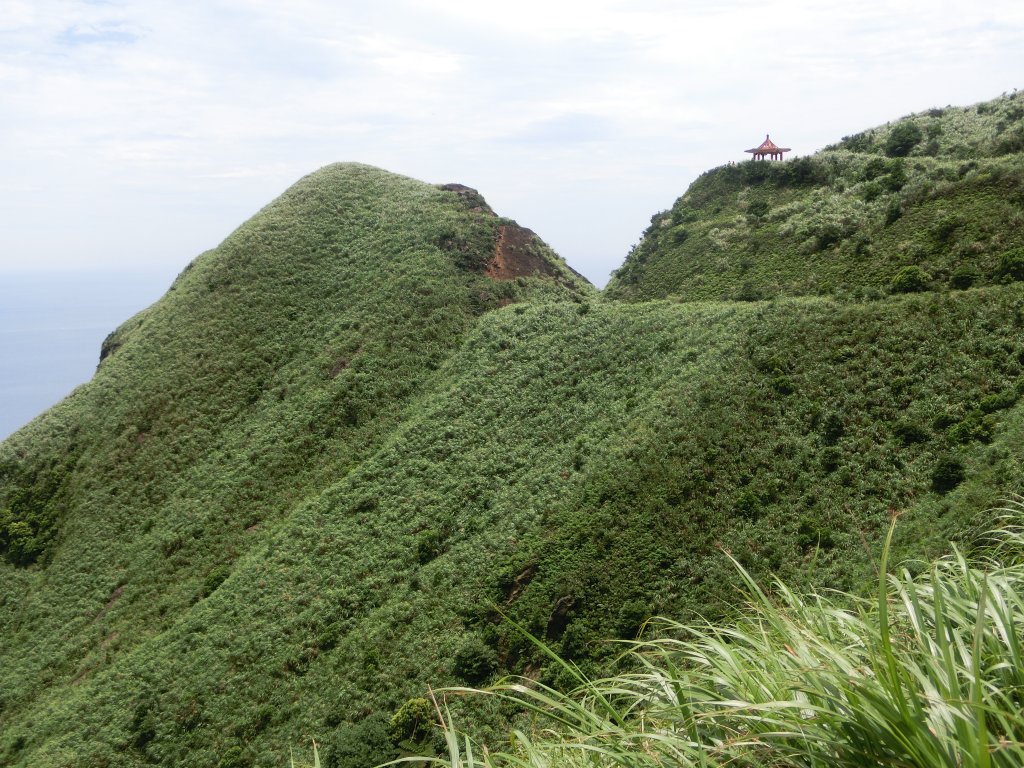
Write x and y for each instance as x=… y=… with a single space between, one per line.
x=933 y=201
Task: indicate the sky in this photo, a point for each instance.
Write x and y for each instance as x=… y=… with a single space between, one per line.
x=136 y=135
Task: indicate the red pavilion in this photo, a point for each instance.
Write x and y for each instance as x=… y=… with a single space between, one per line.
x=767 y=149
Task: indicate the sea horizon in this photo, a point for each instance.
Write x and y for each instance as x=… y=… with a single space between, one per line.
x=51 y=327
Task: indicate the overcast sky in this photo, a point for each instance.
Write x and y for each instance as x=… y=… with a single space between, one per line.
x=134 y=135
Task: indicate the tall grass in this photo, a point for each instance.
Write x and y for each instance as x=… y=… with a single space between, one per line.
x=928 y=673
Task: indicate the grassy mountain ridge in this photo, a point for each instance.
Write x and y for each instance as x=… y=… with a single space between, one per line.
x=272 y=365
x=557 y=465
x=309 y=482
x=940 y=192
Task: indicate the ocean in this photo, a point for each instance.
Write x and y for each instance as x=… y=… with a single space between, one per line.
x=51 y=328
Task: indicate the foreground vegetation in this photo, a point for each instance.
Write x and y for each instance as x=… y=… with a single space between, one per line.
x=346 y=452
x=929 y=672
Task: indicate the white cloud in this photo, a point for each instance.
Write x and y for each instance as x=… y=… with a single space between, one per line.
x=184 y=118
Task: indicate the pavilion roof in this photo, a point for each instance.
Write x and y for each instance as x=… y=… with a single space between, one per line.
x=767 y=146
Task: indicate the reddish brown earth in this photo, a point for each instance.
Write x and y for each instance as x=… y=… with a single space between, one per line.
x=515 y=255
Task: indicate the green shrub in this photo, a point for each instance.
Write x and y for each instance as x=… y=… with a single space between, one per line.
x=832 y=428
x=811 y=535
x=910 y=279
x=782 y=384
x=1011 y=266
x=412 y=721
x=632 y=616
x=758 y=207
x=429 y=546
x=910 y=432
x=831 y=458
x=577 y=642
x=749 y=291
x=215 y=578
x=963 y=278
x=366 y=743
x=948 y=473
x=893 y=212
x=234 y=757
x=975 y=426
x=475 y=660
x=859 y=142
x=19 y=542
x=749 y=504
x=902 y=139
x=871 y=191
x=998 y=401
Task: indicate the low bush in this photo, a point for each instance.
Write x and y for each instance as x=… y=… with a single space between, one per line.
x=998 y=401
x=475 y=661
x=963 y=278
x=412 y=721
x=910 y=279
x=1011 y=266
x=902 y=139
x=910 y=432
x=948 y=473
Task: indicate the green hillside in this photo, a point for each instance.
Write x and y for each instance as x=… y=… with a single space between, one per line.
x=940 y=193
x=319 y=474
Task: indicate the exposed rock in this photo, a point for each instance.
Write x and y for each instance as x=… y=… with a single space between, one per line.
x=559 y=618
x=473 y=199
x=110 y=345
x=516 y=254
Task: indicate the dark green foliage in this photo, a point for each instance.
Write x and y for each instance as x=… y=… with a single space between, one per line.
x=577 y=642
x=903 y=138
x=949 y=472
x=31 y=495
x=18 y=540
x=910 y=432
x=234 y=757
x=831 y=458
x=748 y=291
x=475 y=661
x=832 y=428
x=758 y=207
x=143 y=725
x=893 y=211
x=975 y=426
x=811 y=535
x=215 y=578
x=429 y=545
x=749 y=504
x=367 y=743
x=859 y=142
x=963 y=278
x=632 y=616
x=910 y=279
x=1011 y=266
x=998 y=401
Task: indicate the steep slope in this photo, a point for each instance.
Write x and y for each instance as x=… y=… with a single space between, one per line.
x=271 y=368
x=933 y=201
x=579 y=466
